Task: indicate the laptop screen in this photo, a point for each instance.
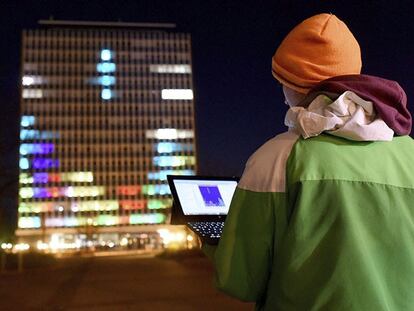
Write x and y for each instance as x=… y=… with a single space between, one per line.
x=205 y=197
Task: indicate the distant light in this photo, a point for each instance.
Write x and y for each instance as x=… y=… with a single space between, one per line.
x=28 y=80
x=106 y=94
x=169 y=133
x=106 y=80
x=184 y=94
x=32 y=93
x=27 y=121
x=106 y=54
x=178 y=68
x=105 y=67
x=24 y=163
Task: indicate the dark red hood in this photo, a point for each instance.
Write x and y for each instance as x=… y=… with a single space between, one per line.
x=389 y=99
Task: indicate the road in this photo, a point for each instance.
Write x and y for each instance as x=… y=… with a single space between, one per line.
x=116 y=283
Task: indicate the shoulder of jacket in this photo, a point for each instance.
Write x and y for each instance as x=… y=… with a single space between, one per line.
x=265 y=169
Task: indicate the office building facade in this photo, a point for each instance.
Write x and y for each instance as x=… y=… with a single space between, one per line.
x=107 y=111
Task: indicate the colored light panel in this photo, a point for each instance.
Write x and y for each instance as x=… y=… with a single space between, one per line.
x=155 y=218
x=106 y=54
x=54 y=192
x=106 y=80
x=164 y=161
x=44 y=163
x=177 y=94
x=169 y=133
x=24 y=163
x=25 y=178
x=169 y=147
x=101 y=205
x=178 y=68
x=36 y=148
x=27 y=121
x=159 y=203
x=26 y=192
x=106 y=94
x=133 y=204
x=162 y=175
x=128 y=190
x=156 y=189
x=85 y=191
x=29 y=222
x=34 y=134
x=107 y=220
x=105 y=67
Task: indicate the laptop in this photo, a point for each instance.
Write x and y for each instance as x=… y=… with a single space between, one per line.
x=202 y=203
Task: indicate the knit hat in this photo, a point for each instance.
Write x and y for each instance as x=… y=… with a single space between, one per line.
x=319 y=48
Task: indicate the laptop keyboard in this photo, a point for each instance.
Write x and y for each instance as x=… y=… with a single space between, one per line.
x=210 y=229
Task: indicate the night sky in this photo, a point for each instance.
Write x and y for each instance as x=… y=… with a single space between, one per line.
x=238 y=103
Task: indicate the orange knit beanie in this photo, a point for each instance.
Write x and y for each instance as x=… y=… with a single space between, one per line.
x=319 y=48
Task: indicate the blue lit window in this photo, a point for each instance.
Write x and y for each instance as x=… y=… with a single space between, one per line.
x=105 y=67
x=45 y=163
x=24 y=163
x=34 y=134
x=106 y=94
x=36 y=148
x=107 y=80
x=106 y=54
x=27 y=121
x=168 y=147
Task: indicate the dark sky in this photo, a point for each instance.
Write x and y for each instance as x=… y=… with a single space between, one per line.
x=238 y=104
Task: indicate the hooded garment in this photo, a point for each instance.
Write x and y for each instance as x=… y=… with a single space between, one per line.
x=327 y=222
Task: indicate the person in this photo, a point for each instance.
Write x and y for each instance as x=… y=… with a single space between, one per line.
x=323 y=216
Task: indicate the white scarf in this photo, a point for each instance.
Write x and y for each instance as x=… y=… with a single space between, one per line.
x=349 y=116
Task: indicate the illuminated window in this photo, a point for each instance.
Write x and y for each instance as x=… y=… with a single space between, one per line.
x=45 y=163
x=107 y=220
x=156 y=189
x=106 y=54
x=162 y=175
x=169 y=147
x=169 y=133
x=101 y=205
x=25 y=178
x=128 y=190
x=173 y=160
x=133 y=204
x=26 y=192
x=31 y=80
x=36 y=148
x=106 y=94
x=184 y=94
x=159 y=203
x=29 y=222
x=34 y=134
x=32 y=93
x=155 y=218
x=27 y=121
x=24 y=163
x=105 y=67
x=106 y=80
x=170 y=68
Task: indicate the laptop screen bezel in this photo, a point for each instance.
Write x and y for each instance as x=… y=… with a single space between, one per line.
x=177 y=215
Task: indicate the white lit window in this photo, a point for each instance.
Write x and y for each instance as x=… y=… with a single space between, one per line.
x=186 y=94
x=106 y=94
x=32 y=93
x=106 y=67
x=170 y=69
x=106 y=54
x=169 y=134
x=31 y=80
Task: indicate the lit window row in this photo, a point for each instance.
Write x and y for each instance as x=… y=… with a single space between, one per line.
x=105 y=67
x=169 y=133
x=34 y=134
x=31 y=80
x=27 y=121
x=32 y=93
x=162 y=175
x=42 y=163
x=36 y=148
x=164 y=161
x=177 y=94
x=155 y=189
x=44 y=178
x=80 y=206
x=55 y=192
x=100 y=220
x=169 y=147
x=170 y=68
x=128 y=190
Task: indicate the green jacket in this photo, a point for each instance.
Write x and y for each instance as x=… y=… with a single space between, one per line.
x=324 y=223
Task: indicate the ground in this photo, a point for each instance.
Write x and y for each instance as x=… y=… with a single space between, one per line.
x=134 y=282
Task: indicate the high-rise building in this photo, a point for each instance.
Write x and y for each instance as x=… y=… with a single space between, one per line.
x=107 y=111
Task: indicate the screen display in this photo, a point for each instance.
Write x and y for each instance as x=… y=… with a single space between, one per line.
x=205 y=197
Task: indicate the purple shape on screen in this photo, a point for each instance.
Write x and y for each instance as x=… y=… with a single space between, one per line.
x=211 y=195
